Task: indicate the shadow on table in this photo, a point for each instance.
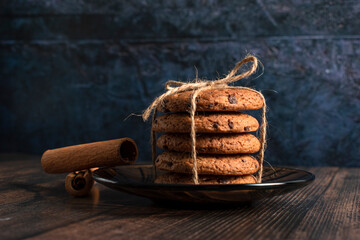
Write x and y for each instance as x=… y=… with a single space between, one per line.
x=117 y=204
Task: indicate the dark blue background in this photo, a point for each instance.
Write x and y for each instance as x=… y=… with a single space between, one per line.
x=72 y=71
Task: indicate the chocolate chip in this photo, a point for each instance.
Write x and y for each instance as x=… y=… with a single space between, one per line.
x=210 y=105
x=165 y=101
x=165 y=147
x=169 y=164
x=231 y=124
x=202 y=150
x=157 y=160
x=232 y=99
x=188 y=105
x=155 y=121
x=197 y=99
x=215 y=125
x=243 y=160
x=246 y=128
x=166 y=110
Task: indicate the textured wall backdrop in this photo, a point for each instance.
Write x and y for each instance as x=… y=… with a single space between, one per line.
x=71 y=71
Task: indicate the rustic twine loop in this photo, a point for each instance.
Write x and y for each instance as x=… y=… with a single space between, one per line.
x=199 y=85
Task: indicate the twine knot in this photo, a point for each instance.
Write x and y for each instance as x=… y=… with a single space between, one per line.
x=173 y=87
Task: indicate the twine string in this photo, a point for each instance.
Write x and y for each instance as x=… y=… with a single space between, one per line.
x=199 y=85
x=153 y=146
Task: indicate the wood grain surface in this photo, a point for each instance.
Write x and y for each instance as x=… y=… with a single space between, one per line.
x=35 y=205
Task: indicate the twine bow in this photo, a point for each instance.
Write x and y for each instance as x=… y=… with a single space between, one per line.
x=197 y=86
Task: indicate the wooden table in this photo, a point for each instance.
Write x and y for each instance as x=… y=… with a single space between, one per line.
x=36 y=205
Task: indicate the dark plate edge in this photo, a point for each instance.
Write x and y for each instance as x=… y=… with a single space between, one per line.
x=208 y=187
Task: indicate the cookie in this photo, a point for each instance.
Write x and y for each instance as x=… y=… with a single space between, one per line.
x=175 y=178
x=236 y=165
x=233 y=122
x=231 y=143
x=228 y=99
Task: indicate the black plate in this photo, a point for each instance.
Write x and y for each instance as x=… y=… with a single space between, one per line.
x=139 y=180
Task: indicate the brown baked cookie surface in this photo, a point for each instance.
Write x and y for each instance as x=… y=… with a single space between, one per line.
x=220 y=122
x=236 y=165
x=228 y=99
x=175 y=178
x=231 y=143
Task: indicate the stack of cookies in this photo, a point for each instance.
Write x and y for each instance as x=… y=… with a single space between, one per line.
x=223 y=139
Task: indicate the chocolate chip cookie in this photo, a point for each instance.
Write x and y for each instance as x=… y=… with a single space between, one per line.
x=225 y=122
x=228 y=99
x=175 y=178
x=207 y=164
x=231 y=143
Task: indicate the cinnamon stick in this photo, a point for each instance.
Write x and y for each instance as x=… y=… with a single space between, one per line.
x=79 y=184
x=85 y=156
